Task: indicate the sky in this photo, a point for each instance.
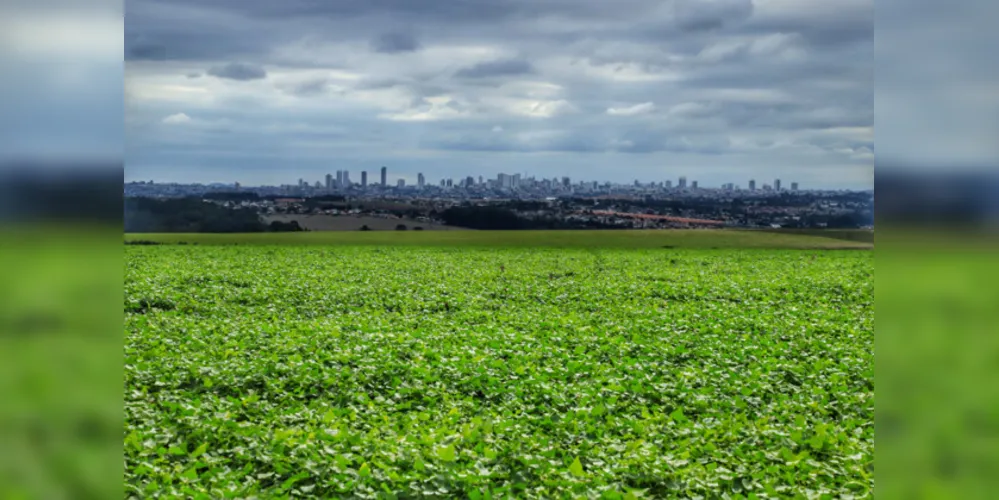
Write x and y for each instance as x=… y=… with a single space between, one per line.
x=267 y=92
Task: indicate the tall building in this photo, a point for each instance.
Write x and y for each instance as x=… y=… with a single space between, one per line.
x=346 y=178
x=776 y=184
x=401 y=183
x=449 y=183
x=420 y=180
x=566 y=182
x=364 y=178
x=339 y=178
x=669 y=184
x=384 y=176
x=683 y=183
x=329 y=182
x=794 y=186
x=752 y=184
x=469 y=181
x=693 y=185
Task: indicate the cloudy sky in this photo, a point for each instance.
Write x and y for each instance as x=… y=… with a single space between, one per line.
x=263 y=91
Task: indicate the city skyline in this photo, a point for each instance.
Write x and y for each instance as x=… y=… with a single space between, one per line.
x=341 y=180
x=259 y=92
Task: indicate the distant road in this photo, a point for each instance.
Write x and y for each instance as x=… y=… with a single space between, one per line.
x=668 y=218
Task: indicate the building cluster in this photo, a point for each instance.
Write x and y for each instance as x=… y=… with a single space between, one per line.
x=514 y=186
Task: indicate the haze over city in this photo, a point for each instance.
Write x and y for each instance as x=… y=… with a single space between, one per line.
x=722 y=91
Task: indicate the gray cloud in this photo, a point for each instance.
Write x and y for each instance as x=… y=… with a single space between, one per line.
x=496 y=68
x=392 y=43
x=700 y=15
x=733 y=83
x=238 y=71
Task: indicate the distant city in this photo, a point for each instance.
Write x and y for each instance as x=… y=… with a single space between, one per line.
x=508 y=201
x=515 y=186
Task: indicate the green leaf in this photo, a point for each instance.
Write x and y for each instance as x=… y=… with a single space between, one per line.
x=576 y=468
x=447 y=453
x=364 y=471
x=200 y=450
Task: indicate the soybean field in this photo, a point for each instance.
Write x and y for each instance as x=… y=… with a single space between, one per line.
x=277 y=371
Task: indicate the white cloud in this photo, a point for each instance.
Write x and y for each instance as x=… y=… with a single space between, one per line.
x=177 y=118
x=638 y=109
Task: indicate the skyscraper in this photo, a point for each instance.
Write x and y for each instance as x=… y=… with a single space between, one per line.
x=401 y=183
x=346 y=178
x=339 y=178
x=669 y=184
x=776 y=184
x=683 y=183
x=329 y=182
x=794 y=186
x=752 y=185
x=693 y=185
x=420 y=180
x=469 y=181
x=364 y=178
x=384 y=176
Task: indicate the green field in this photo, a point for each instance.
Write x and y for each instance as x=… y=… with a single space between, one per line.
x=692 y=238
x=344 y=371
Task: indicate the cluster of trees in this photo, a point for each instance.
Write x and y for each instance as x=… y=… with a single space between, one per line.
x=192 y=215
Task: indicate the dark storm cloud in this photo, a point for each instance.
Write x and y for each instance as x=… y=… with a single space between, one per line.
x=238 y=71
x=496 y=68
x=392 y=43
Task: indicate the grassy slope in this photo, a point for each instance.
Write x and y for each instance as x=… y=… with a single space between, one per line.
x=577 y=239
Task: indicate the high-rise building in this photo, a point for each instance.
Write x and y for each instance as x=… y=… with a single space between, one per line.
x=329 y=182
x=364 y=178
x=469 y=181
x=339 y=178
x=693 y=185
x=776 y=184
x=449 y=183
x=346 y=178
x=566 y=182
x=443 y=183
x=683 y=183
x=516 y=180
x=401 y=183
x=384 y=176
x=794 y=186
x=752 y=185
x=420 y=180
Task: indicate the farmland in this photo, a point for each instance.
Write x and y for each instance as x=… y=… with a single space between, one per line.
x=624 y=239
x=477 y=371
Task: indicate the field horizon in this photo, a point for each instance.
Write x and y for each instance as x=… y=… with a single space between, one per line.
x=601 y=238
